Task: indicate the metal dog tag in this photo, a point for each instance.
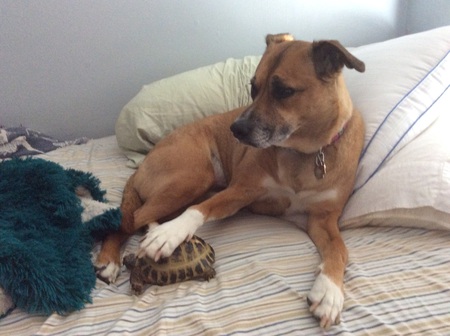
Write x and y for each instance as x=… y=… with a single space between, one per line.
x=320 y=169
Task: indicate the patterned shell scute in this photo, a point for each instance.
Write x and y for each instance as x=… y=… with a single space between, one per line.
x=192 y=260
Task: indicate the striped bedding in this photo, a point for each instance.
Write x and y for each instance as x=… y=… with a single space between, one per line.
x=397 y=281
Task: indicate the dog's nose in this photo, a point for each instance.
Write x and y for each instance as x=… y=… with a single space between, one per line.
x=241 y=129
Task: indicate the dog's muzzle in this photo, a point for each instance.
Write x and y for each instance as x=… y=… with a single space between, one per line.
x=257 y=134
x=241 y=129
x=250 y=132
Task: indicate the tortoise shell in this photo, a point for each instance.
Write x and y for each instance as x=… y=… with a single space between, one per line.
x=192 y=260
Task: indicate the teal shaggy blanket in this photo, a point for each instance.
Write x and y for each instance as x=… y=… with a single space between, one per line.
x=45 y=248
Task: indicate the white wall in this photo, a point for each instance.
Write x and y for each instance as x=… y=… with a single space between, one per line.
x=68 y=67
x=427 y=14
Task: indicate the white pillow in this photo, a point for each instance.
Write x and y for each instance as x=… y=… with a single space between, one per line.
x=412 y=188
x=402 y=92
x=164 y=105
x=404 y=77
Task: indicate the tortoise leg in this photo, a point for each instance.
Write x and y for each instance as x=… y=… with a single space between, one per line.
x=209 y=273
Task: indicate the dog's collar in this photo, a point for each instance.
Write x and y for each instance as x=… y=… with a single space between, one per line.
x=320 y=169
x=338 y=135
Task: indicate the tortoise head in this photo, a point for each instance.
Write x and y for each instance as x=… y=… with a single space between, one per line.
x=129 y=261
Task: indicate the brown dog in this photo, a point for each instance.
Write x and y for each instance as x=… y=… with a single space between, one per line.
x=294 y=149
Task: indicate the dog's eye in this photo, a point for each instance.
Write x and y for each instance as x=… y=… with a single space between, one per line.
x=253 y=91
x=282 y=92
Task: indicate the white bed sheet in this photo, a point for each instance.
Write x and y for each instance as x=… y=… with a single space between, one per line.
x=397 y=281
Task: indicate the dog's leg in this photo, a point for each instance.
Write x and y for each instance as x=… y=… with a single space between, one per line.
x=161 y=241
x=164 y=196
x=107 y=265
x=326 y=298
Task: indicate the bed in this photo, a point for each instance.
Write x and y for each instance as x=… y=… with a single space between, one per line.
x=396 y=224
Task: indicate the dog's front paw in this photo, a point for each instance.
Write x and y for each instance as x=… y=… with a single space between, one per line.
x=107 y=272
x=162 y=240
x=326 y=301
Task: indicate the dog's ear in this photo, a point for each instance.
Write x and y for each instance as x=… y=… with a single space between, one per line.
x=329 y=57
x=278 y=38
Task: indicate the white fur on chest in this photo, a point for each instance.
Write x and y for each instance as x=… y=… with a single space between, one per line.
x=299 y=201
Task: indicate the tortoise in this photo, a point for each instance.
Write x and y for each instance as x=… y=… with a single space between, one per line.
x=191 y=260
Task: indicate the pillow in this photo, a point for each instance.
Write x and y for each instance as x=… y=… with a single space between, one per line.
x=401 y=94
x=412 y=188
x=164 y=105
x=403 y=91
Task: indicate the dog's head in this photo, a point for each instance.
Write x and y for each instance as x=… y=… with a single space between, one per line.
x=299 y=96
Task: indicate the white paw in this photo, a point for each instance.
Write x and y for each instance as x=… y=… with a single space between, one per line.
x=162 y=240
x=107 y=273
x=326 y=301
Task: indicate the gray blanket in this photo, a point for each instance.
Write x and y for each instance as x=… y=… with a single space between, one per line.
x=19 y=141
